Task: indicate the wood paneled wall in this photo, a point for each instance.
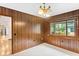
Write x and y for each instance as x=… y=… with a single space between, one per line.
x=67 y=42
x=23 y=36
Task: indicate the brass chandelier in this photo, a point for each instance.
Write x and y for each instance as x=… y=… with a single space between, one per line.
x=44 y=10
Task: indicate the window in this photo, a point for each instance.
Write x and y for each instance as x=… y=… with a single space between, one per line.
x=52 y=28
x=71 y=28
x=63 y=28
x=58 y=28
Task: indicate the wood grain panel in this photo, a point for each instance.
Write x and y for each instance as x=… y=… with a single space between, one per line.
x=67 y=42
x=22 y=31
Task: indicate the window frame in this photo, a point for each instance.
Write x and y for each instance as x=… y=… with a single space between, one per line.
x=66 y=34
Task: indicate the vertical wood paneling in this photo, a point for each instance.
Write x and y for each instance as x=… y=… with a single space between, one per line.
x=22 y=34
x=67 y=42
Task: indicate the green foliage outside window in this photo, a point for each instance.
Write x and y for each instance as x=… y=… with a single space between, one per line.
x=62 y=28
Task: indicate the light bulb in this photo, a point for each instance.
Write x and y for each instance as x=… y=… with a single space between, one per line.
x=40 y=12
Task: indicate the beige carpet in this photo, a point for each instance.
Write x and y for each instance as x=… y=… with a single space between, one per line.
x=46 y=50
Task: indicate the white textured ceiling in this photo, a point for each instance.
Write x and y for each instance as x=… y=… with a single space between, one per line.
x=32 y=8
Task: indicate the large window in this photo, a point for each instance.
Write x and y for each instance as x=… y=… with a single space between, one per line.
x=63 y=28
x=60 y=28
x=71 y=28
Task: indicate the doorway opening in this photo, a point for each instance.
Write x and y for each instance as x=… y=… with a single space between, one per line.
x=5 y=35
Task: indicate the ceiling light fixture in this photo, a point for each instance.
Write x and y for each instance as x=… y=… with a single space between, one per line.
x=45 y=10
